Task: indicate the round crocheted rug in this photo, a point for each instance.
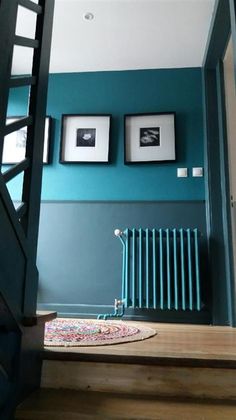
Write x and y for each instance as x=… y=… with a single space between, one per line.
x=80 y=332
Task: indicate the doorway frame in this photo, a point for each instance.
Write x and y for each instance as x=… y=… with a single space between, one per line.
x=218 y=212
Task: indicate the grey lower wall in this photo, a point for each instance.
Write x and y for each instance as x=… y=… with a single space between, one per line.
x=80 y=259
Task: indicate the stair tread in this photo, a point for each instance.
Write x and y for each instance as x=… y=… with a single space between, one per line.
x=72 y=405
x=190 y=345
x=77 y=354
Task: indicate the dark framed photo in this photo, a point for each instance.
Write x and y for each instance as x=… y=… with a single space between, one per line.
x=15 y=143
x=149 y=138
x=85 y=138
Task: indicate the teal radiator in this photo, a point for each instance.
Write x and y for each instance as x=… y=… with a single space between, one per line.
x=160 y=270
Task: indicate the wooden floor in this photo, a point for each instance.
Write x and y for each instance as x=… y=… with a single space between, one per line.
x=141 y=380
x=203 y=345
x=71 y=405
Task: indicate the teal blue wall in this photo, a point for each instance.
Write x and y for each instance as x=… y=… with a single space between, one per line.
x=80 y=259
x=119 y=93
x=80 y=232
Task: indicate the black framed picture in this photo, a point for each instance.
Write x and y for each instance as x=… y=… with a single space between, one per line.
x=149 y=138
x=85 y=138
x=14 y=146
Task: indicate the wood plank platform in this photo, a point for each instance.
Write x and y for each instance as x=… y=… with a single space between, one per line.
x=190 y=345
x=71 y=405
x=180 y=361
x=136 y=379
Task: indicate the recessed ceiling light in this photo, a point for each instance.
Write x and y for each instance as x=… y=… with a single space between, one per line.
x=88 y=16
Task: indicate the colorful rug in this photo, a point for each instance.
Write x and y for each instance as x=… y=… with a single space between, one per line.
x=79 y=332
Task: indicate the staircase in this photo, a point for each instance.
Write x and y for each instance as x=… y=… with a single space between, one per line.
x=140 y=381
x=21 y=329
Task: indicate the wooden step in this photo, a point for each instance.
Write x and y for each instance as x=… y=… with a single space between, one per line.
x=71 y=405
x=188 y=345
x=181 y=360
x=149 y=380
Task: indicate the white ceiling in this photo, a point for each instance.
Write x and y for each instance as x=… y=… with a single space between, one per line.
x=124 y=35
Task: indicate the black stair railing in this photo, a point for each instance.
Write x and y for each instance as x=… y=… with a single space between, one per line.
x=25 y=219
x=21 y=232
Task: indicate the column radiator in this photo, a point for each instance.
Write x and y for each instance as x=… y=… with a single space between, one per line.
x=160 y=270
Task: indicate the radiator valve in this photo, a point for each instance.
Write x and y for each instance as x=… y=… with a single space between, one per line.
x=118 y=232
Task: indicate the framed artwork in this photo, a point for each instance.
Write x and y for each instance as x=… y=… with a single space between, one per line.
x=149 y=138
x=85 y=138
x=15 y=143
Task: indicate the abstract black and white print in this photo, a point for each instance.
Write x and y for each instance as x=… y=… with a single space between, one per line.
x=149 y=136
x=86 y=137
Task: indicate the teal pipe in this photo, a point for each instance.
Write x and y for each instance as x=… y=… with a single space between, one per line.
x=119 y=313
x=116 y=313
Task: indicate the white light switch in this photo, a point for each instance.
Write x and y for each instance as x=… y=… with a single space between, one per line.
x=182 y=172
x=197 y=172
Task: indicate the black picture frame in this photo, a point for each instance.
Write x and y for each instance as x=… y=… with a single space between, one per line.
x=93 y=129
x=156 y=131
x=10 y=142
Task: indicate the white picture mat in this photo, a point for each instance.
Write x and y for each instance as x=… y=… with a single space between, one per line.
x=72 y=153
x=13 y=154
x=166 y=150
